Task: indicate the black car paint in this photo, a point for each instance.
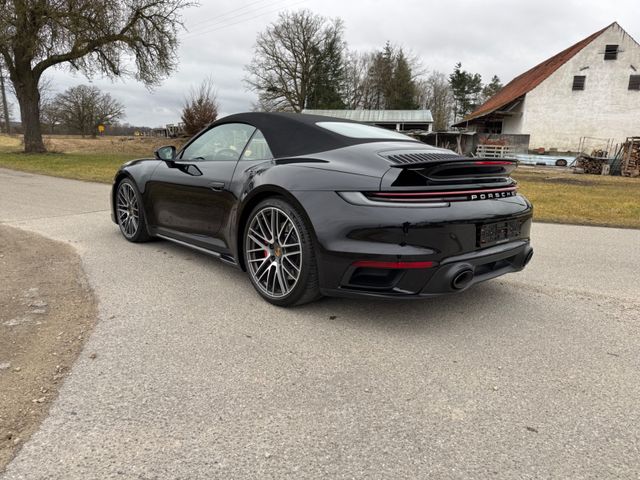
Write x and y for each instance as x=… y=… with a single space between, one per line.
x=205 y=203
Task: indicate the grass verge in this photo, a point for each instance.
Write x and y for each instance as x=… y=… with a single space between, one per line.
x=561 y=197
x=80 y=166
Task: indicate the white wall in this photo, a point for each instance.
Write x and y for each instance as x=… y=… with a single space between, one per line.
x=556 y=116
x=513 y=123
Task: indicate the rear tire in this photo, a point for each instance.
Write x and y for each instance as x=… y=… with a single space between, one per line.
x=279 y=254
x=130 y=212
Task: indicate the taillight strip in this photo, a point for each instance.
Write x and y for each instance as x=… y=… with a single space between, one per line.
x=493 y=162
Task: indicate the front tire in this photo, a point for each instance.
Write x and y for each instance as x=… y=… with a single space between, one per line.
x=130 y=212
x=279 y=254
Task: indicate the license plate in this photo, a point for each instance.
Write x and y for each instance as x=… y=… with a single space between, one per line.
x=498 y=232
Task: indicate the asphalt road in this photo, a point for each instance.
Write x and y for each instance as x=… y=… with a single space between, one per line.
x=534 y=375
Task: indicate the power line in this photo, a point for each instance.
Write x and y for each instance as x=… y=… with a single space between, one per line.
x=218 y=17
x=216 y=28
x=241 y=16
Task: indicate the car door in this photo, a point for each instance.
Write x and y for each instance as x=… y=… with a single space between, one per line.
x=190 y=195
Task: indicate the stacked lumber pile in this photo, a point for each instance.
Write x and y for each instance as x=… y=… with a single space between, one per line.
x=590 y=164
x=631 y=158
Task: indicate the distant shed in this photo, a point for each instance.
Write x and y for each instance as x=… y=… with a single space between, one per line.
x=399 y=120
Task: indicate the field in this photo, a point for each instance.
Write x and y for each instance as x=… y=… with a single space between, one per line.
x=564 y=197
x=559 y=196
x=80 y=158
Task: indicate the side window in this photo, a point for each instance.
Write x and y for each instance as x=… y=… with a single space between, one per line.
x=224 y=142
x=257 y=149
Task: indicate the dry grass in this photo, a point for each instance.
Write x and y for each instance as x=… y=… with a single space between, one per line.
x=8 y=143
x=561 y=197
x=140 y=146
x=93 y=159
x=557 y=196
x=80 y=166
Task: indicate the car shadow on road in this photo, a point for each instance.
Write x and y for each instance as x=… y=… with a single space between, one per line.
x=486 y=302
x=480 y=303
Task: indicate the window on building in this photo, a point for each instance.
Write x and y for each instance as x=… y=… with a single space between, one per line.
x=611 y=52
x=578 y=82
x=634 y=82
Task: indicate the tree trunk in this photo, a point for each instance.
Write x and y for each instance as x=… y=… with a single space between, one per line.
x=26 y=87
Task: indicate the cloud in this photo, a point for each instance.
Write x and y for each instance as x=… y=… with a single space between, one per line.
x=490 y=37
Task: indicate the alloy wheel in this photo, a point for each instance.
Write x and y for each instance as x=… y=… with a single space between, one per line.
x=273 y=252
x=128 y=210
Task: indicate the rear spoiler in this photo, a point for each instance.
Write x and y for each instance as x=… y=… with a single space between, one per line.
x=422 y=159
x=449 y=170
x=470 y=167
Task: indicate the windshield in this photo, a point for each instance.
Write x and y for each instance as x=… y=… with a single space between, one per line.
x=357 y=130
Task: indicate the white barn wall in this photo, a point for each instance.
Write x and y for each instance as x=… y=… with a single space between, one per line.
x=513 y=124
x=556 y=116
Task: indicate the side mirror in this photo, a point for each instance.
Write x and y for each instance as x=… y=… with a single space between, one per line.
x=166 y=153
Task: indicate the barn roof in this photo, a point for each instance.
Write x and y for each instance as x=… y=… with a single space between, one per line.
x=378 y=116
x=530 y=79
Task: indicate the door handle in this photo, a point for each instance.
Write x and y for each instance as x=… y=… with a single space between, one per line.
x=216 y=186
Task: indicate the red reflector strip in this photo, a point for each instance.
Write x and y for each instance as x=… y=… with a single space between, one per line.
x=392 y=265
x=493 y=162
x=440 y=194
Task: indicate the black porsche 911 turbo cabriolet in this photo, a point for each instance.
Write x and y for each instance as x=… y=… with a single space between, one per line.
x=313 y=206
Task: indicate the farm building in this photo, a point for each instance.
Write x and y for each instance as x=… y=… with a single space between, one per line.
x=591 y=89
x=399 y=120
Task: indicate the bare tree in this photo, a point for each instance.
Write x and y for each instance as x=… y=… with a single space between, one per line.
x=200 y=108
x=357 y=80
x=298 y=60
x=267 y=104
x=83 y=108
x=50 y=114
x=434 y=93
x=91 y=36
x=49 y=111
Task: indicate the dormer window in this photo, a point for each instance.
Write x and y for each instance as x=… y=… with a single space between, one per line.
x=611 y=52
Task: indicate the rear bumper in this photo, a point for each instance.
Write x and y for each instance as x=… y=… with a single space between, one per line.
x=454 y=275
x=448 y=237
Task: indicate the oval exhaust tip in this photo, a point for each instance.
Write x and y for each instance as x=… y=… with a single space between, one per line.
x=462 y=279
x=528 y=258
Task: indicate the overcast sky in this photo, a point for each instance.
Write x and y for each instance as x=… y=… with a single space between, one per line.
x=503 y=37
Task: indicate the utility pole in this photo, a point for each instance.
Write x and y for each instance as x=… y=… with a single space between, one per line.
x=5 y=106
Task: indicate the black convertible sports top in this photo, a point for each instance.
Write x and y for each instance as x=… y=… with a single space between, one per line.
x=295 y=134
